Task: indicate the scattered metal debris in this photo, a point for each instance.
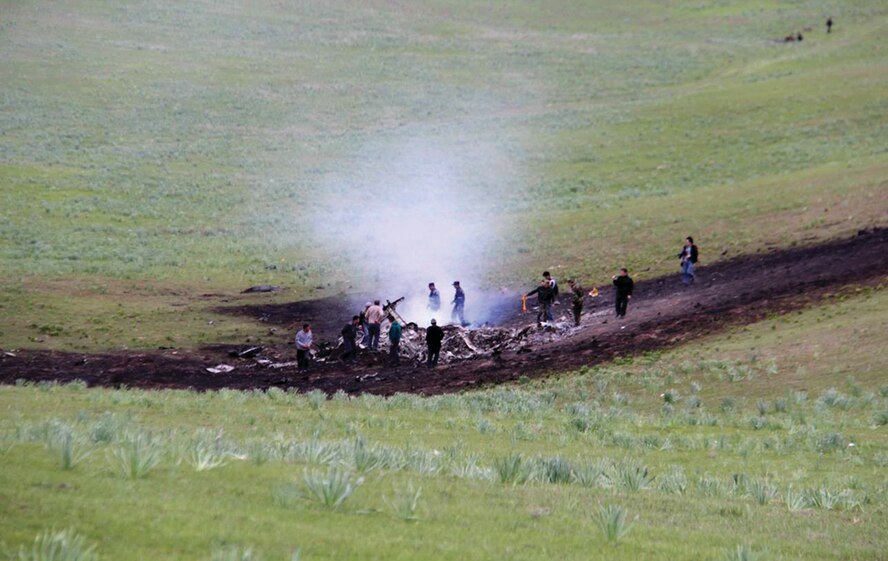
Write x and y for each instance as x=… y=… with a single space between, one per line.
x=261 y=288
x=220 y=369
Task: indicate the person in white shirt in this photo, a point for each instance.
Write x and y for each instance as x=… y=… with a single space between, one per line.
x=303 y=346
x=374 y=317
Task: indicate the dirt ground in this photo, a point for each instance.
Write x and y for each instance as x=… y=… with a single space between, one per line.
x=662 y=314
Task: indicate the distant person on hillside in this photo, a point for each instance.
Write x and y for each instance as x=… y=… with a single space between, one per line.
x=688 y=255
x=434 y=298
x=349 y=332
x=434 y=336
x=303 y=346
x=545 y=295
x=459 y=305
x=394 y=342
x=829 y=23
x=374 y=317
x=624 y=285
x=577 y=295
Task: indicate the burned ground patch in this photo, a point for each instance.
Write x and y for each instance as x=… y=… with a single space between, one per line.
x=662 y=314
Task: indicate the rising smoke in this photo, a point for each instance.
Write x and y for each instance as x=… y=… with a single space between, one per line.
x=418 y=214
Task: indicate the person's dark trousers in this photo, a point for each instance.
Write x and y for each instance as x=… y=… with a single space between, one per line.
x=578 y=311
x=622 y=302
x=374 y=336
x=301 y=359
x=350 y=353
x=394 y=354
x=433 y=356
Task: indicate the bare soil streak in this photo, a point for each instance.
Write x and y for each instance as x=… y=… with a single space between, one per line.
x=662 y=314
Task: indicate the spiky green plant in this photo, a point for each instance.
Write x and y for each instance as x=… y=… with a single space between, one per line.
x=612 y=521
x=65 y=545
x=795 y=501
x=235 y=553
x=760 y=490
x=137 y=454
x=330 y=488
x=205 y=457
x=631 y=476
x=404 y=502
x=512 y=468
x=70 y=449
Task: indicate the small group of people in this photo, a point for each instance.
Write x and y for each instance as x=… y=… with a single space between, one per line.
x=367 y=326
x=457 y=313
x=547 y=290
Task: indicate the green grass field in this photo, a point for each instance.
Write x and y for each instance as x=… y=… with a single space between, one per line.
x=706 y=448
x=156 y=158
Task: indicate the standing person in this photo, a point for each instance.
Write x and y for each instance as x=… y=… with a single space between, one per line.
x=394 y=342
x=459 y=304
x=545 y=296
x=374 y=317
x=829 y=23
x=434 y=336
x=688 y=255
x=577 y=295
x=623 y=283
x=303 y=346
x=365 y=326
x=434 y=298
x=348 y=340
x=553 y=284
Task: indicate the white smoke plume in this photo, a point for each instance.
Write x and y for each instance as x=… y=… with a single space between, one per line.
x=418 y=214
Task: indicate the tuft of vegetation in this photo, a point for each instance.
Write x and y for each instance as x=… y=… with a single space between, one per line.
x=612 y=520
x=64 y=545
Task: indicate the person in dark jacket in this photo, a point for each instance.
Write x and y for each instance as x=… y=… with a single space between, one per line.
x=459 y=305
x=545 y=296
x=688 y=255
x=829 y=24
x=434 y=336
x=577 y=295
x=349 y=332
x=434 y=298
x=624 y=285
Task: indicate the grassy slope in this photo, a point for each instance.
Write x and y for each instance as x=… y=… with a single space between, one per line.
x=601 y=134
x=178 y=513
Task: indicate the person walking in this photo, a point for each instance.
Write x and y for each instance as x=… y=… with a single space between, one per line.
x=374 y=317
x=394 y=342
x=545 y=296
x=349 y=332
x=577 y=295
x=459 y=305
x=434 y=336
x=434 y=298
x=624 y=285
x=688 y=255
x=303 y=346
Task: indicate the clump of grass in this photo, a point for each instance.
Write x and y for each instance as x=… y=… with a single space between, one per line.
x=612 y=521
x=205 y=457
x=137 y=454
x=631 y=476
x=745 y=552
x=760 y=490
x=794 y=501
x=70 y=449
x=332 y=488
x=404 y=502
x=235 y=553
x=66 y=545
x=553 y=470
x=674 y=481
x=512 y=469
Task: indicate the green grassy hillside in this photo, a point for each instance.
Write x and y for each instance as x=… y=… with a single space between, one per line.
x=196 y=148
x=772 y=438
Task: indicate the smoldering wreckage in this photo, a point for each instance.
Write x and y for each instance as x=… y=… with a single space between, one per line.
x=460 y=343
